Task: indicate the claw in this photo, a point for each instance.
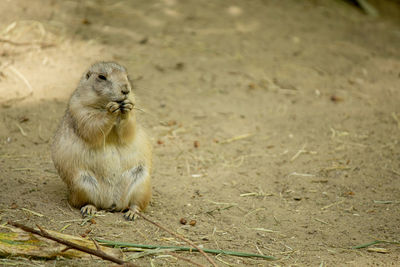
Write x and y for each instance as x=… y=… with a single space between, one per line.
x=131 y=214
x=113 y=107
x=126 y=106
x=125 y=110
x=88 y=210
x=127 y=101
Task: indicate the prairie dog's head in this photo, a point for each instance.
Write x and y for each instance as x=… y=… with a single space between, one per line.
x=106 y=81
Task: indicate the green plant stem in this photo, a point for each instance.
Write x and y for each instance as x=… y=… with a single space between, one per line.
x=368 y=8
x=374 y=243
x=212 y=251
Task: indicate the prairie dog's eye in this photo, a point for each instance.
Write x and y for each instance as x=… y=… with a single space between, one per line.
x=102 y=77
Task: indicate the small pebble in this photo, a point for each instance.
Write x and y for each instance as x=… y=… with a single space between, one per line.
x=85 y=21
x=144 y=40
x=251 y=86
x=23 y=119
x=179 y=66
x=171 y=123
x=336 y=99
x=86 y=233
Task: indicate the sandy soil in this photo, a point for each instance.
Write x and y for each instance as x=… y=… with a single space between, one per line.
x=275 y=124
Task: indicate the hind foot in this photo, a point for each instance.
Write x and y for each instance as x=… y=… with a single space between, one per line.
x=131 y=214
x=88 y=210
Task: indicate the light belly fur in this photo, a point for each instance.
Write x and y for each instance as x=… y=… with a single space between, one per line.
x=110 y=186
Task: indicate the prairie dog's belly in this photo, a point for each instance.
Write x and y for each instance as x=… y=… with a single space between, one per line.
x=109 y=176
x=110 y=162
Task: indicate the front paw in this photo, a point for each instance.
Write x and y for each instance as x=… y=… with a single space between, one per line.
x=126 y=106
x=113 y=108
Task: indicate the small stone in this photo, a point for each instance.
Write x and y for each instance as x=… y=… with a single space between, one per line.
x=336 y=99
x=144 y=40
x=85 y=21
x=171 y=123
x=252 y=86
x=180 y=66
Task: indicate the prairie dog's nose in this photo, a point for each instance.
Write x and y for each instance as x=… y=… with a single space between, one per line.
x=125 y=89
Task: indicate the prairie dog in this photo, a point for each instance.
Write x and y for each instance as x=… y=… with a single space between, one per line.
x=99 y=150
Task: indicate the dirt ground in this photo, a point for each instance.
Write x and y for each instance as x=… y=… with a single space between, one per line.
x=275 y=124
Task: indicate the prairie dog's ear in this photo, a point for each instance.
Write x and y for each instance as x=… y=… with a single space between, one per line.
x=88 y=74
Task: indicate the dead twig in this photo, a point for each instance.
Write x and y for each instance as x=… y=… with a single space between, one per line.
x=33 y=212
x=42 y=45
x=217 y=209
x=179 y=237
x=321 y=221
x=300 y=174
x=386 y=201
x=9 y=102
x=332 y=204
x=21 y=129
x=302 y=151
x=236 y=138
x=98 y=252
x=22 y=77
x=334 y=168
x=394 y=116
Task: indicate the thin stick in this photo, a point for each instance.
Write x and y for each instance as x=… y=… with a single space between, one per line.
x=22 y=77
x=33 y=212
x=212 y=251
x=42 y=45
x=334 y=168
x=332 y=204
x=179 y=237
x=394 y=116
x=217 y=209
x=263 y=229
x=302 y=151
x=224 y=262
x=386 y=202
x=321 y=221
x=298 y=153
x=21 y=130
x=395 y=172
x=300 y=174
x=236 y=138
x=99 y=253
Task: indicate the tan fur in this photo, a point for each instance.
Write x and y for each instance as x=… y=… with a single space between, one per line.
x=99 y=150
